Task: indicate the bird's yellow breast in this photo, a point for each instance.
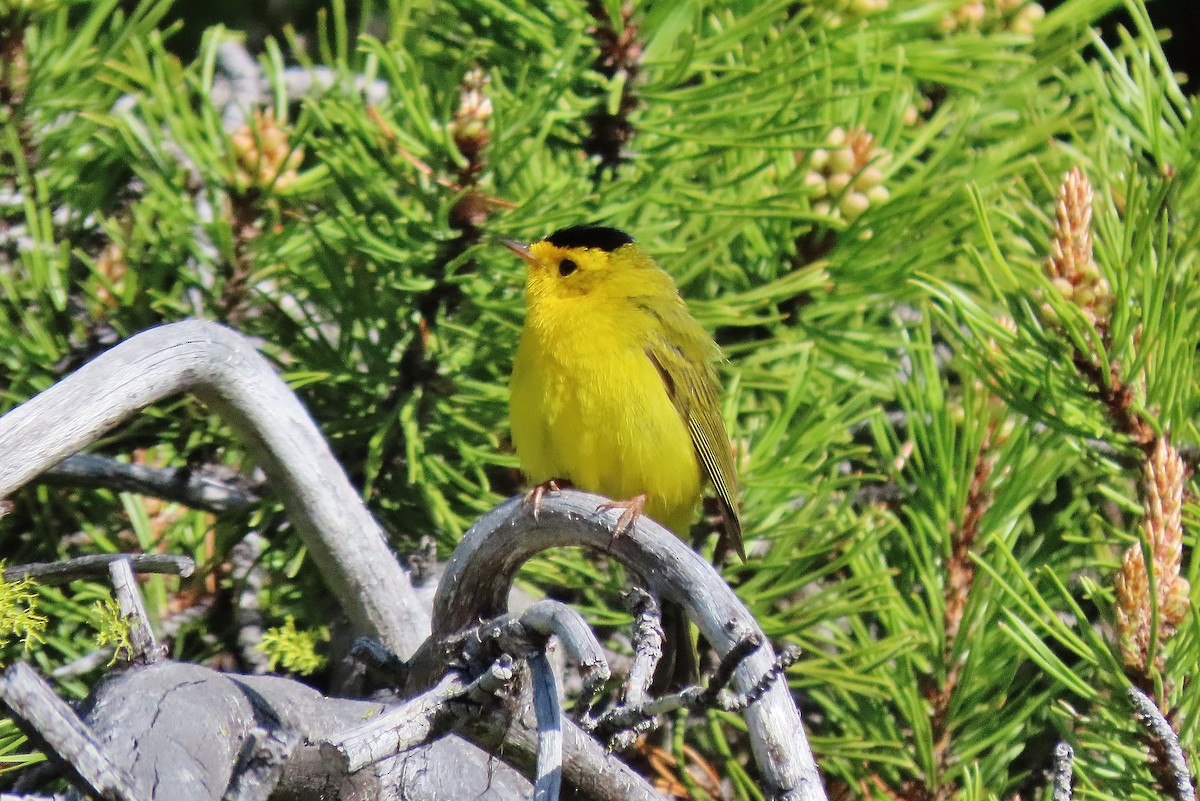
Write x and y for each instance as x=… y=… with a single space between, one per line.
x=589 y=405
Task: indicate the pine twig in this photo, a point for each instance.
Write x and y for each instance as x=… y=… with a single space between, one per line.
x=1064 y=757
x=1167 y=740
x=620 y=57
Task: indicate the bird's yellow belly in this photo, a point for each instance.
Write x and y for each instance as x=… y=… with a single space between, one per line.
x=607 y=425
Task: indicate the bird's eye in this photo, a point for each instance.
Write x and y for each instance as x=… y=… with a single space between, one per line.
x=566 y=267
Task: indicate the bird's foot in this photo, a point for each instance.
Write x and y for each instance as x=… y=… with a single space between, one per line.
x=535 y=495
x=633 y=510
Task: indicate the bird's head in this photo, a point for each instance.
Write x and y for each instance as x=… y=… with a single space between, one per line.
x=587 y=260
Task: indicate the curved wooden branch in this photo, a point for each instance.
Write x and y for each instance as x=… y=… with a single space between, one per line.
x=222 y=368
x=481 y=571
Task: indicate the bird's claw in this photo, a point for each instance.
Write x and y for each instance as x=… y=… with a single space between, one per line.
x=633 y=509
x=535 y=495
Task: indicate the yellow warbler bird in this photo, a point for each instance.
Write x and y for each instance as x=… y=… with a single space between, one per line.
x=613 y=387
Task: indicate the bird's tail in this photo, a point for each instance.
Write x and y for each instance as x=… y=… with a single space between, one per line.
x=680 y=663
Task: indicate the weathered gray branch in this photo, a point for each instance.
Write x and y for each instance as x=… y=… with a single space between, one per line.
x=174 y=730
x=222 y=368
x=248 y=579
x=133 y=612
x=480 y=572
x=265 y=755
x=199 y=488
x=398 y=729
x=587 y=765
x=525 y=634
x=46 y=719
x=647 y=646
x=548 y=778
x=98 y=565
x=1064 y=769
x=1152 y=718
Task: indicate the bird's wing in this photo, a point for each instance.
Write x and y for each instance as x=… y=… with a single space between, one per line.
x=692 y=386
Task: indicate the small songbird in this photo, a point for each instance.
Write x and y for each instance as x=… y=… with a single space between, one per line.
x=613 y=388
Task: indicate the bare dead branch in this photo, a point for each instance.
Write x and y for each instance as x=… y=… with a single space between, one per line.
x=199 y=488
x=129 y=598
x=248 y=578
x=548 y=618
x=628 y=721
x=647 y=646
x=175 y=725
x=222 y=368
x=387 y=667
x=399 y=729
x=47 y=720
x=98 y=565
x=1152 y=718
x=481 y=571
x=729 y=663
x=587 y=766
x=548 y=778
x=492 y=681
x=264 y=756
x=84 y=664
x=523 y=636
x=790 y=656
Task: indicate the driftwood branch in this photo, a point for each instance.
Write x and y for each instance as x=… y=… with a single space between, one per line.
x=248 y=579
x=648 y=644
x=524 y=635
x=204 y=488
x=548 y=779
x=47 y=720
x=481 y=571
x=398 y=729
x=173 y=730
x=222 y=368
x=387 y=668
x=588 y=767
x=504 y=709
x=98 y=565
x=264 y=757
x=133 y=612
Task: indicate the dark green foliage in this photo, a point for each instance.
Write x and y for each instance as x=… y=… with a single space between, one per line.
x=937 y=493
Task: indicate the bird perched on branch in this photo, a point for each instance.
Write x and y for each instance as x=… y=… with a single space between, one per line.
x=613 y=388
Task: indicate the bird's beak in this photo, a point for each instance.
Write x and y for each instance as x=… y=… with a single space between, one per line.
x=521 y=250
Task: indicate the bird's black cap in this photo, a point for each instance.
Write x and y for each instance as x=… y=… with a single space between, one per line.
x=590 y=236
